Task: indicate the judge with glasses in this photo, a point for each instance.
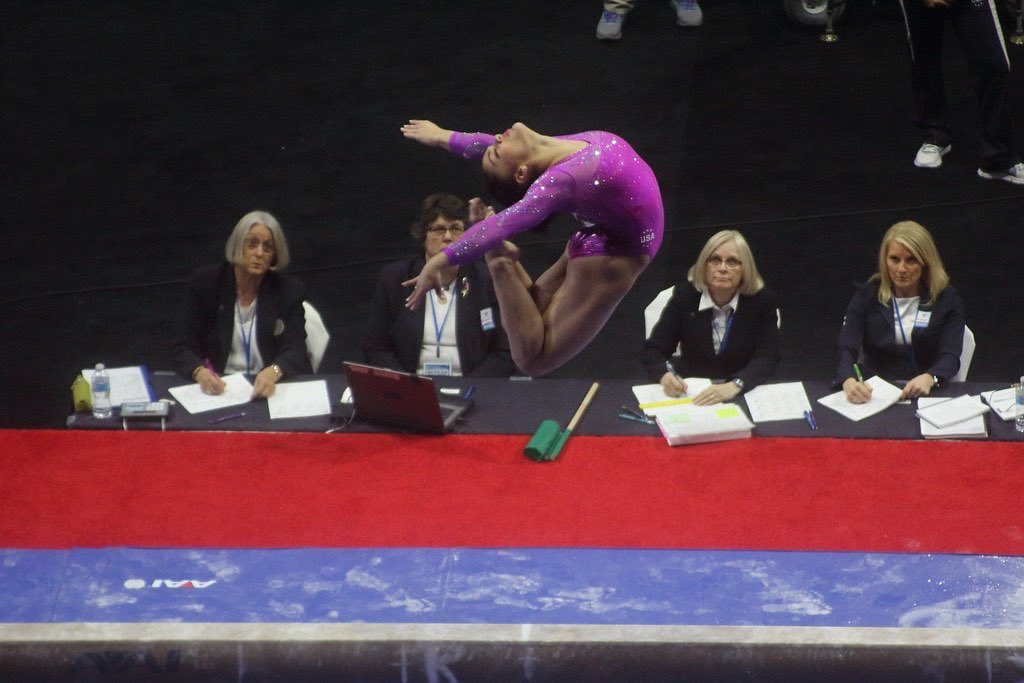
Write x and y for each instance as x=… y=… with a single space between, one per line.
x=722 y=321
x=459 y=334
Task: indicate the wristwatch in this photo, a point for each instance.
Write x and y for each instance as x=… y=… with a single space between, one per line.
x=739 y=383
x=936 y=380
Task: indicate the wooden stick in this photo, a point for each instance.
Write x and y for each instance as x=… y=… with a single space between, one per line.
x=583 y=407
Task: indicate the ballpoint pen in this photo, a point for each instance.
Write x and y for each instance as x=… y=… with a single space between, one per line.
x=225 y=418
x=856 y=369
x=634 y=418
x=668 y=366
x=469 y=391
x=809 y=416
x=638 y=415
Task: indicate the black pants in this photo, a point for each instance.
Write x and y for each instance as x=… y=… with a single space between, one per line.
x=976 y=27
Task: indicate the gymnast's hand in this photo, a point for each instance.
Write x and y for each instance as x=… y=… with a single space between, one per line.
x=429 y=278
x=478 y=210
x=427 y=133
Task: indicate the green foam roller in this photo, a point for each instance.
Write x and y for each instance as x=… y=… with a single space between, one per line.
x=557 y=445
x=542 y=440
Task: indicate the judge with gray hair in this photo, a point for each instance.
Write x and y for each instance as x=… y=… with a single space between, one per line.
x=244 y=315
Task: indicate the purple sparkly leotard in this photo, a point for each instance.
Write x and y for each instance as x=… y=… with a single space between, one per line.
x=606 y=185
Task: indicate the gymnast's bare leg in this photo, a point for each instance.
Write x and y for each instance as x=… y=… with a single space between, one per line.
x=551 y=321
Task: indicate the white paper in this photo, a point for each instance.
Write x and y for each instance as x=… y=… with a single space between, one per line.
x=1002 y=402
x=944 y=413
x=192 y=398
x=883 y=395
x=689 y=423
x=652 y=397
x=299 y=399
x=971 y=428
x=783 y=401
x=126 y=384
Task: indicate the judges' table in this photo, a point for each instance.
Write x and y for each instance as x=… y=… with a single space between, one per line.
x=518 y=405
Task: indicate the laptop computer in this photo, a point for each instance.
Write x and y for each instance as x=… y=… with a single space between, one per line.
x=402 y=399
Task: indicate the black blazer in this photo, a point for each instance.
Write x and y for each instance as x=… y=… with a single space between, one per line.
x=751 y=353
x=393 y=335
x=871 y=326
x=207 y=322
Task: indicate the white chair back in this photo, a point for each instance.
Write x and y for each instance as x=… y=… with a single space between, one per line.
x=317 y=336
x=965 y=356
x=654 y=309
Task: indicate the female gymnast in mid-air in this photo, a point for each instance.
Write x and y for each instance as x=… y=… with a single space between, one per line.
x=597 y=177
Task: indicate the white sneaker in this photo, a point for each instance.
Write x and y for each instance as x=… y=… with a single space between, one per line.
x=610 y=26
x=930 y=156
x=1014 y=174
x=688 y=12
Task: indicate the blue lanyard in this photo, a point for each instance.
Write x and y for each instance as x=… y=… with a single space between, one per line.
x=906 y=344
x=725 y=337
x=246 y=340
x=438 y=331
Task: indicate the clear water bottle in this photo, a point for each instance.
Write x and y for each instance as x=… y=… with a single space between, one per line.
x=1018 y=397
x=101 y=393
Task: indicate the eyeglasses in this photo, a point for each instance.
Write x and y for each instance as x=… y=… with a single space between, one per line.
x=253 y=243
x=440 y=230
x=730 y=263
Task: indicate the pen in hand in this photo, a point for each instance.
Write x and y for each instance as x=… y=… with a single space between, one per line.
x=672 y=370
x=856 y=370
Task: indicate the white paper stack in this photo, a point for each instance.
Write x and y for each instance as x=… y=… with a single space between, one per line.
x=952 y=418
x=683 y=424
x=652 y=398
x=126 y=384
x=1002 y=402
x=883 y=395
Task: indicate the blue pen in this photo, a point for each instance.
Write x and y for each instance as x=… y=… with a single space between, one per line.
x=668 y=366
x=469 y=391
x=809 y=416
x=225 y=418
x=634 y=418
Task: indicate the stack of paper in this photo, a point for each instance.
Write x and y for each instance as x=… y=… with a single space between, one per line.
x=653 y=399
x=1002 y=403
x=237 y=391
x=883 y=395
x=783 y=401
x=126 y=384
x=687 y=423
x=952 y=418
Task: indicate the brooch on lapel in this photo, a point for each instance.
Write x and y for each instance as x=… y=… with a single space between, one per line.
x=464 y=288
x=278 y=327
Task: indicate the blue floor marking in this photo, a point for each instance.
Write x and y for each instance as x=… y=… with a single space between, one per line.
x=512 y=586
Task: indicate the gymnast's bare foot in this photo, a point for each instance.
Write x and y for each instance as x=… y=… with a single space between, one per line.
x=504 y=253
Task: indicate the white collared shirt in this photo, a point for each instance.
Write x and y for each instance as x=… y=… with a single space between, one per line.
x=445 y=315
x=244 y=330
x=720 y=316
x=907 y=317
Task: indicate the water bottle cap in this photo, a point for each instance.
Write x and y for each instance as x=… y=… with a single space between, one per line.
x=99 y=366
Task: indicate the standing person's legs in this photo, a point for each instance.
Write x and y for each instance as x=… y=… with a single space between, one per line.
x=610 y=25
x=588 y=290
x=978 y=31
x=925 y=27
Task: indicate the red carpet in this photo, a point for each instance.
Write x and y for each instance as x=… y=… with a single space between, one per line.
x=66 y=489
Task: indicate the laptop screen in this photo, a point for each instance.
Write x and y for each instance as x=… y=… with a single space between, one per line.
x=396 y=398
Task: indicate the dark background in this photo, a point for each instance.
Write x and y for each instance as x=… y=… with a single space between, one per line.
x=135 y=134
